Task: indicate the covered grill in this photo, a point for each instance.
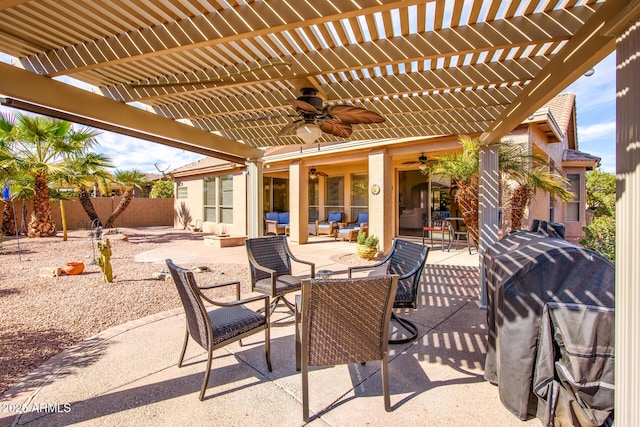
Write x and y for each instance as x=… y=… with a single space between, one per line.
x=550 y=329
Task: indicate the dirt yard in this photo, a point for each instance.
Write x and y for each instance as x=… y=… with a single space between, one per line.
x=41 y=316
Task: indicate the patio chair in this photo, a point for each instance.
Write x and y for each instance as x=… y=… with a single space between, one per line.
x=456 y=232
x=330 y=226
x=270 y=268
x=407 y=260
x=276 y=223
x=337 y=325
x=214 y=329
x=438 y=223
x=351 y=230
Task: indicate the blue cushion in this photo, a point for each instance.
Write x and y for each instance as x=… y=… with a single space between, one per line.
x=283 y=218
x=335 y=216
x=363 y=217
x=272 y=216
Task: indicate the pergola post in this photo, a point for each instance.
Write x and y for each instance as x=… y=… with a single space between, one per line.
x=627 y=317
x=298 y=203
x=255 y=222
x=380 y=199
x=488 y=205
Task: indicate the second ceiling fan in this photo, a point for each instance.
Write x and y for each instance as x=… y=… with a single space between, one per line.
x=422 y=163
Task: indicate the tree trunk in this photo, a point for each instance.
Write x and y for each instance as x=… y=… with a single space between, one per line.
x=41 y=223
x=124 y=202
x=519 y=201
x=23 y=220
x=467 y=198
x=87 y=205
x=8 y=218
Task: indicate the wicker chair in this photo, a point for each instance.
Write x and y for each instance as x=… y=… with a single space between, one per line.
x=330 y=226
x=343 y=321
x=407 y=260
x=270 y=267
x=231 y=322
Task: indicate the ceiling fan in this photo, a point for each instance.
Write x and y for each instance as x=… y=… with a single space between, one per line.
x=314 y=173
x=315 y=117
x=421 y=162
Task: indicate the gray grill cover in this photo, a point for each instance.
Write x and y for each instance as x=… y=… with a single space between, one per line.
x=525 y=271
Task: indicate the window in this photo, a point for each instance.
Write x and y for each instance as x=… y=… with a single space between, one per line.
x=182 y=193
x=359 y=194
x=334 y=194
x=218 y=199
x=573 y=206
x=275 y=194
x=280 y=194
x=314 y=200
x=226 y=199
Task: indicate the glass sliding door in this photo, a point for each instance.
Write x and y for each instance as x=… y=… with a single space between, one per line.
x=419 y=196
x=413 y=202
x=334 y=195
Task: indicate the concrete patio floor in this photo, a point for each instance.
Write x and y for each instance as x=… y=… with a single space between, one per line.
x=128 y=375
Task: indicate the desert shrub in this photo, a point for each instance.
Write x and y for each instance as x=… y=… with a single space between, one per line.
x=600 y=236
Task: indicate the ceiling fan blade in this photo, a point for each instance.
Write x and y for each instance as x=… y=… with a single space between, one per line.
x=354 y=115
x=333 y=127
x=291 y=128
x=305 y=106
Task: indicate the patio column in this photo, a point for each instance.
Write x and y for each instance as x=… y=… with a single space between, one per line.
x=298 y=203
x=381 y=204
x=627 y=317
x=255 y=220
x=488 y=204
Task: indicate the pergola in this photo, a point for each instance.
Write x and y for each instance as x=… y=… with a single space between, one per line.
x=216 y=77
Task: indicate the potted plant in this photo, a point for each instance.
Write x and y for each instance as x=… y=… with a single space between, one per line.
x=367 y=245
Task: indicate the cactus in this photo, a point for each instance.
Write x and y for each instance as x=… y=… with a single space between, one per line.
x=105 y=261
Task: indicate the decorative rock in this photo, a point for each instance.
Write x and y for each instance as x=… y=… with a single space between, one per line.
x=50 y=272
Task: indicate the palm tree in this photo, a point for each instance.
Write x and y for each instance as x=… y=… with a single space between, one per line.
x=530 y=172
x=128 y=180
x=42 y=144
x=7 y=221
x=462 y=168
x=83 y=171
x=536 y=178
x=22 y=189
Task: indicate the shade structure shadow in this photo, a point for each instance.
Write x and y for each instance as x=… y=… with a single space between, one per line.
x=232 y=371
x=61 y=365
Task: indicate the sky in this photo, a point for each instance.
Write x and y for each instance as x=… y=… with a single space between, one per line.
x=595 y=112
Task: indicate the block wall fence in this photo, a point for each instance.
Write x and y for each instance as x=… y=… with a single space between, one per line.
x=141 y=212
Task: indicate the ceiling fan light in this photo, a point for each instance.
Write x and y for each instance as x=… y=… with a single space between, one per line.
x=312 y=173
x=308 y=132
x=423 y=167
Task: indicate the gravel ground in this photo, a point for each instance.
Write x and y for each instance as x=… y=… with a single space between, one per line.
x=41 y=316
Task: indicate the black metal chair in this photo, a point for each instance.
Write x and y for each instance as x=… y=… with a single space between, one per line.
x=335 y=325
x=456 y=230
x=407 y=260
x=230 y=322
x=270 y=267
x=438 y=223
